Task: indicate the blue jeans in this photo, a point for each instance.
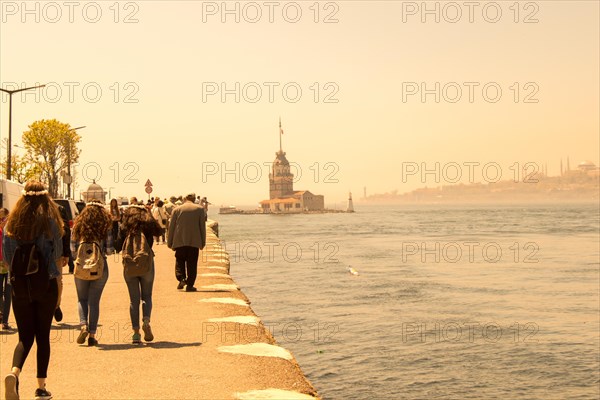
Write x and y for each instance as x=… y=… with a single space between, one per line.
x=88 y=295
x=5 y=297
x=140 y=287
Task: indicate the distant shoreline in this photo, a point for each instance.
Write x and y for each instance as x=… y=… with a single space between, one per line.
x=260 y=212
x=516 y=201
x=576 y=187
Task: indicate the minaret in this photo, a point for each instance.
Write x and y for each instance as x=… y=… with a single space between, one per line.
x=350 y=208
x=365 y=192
x=568 y=165
x=561 y=168
x=281 y=180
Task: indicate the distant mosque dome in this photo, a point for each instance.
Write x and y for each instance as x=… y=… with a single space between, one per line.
x=586 y=166
x=94 y=192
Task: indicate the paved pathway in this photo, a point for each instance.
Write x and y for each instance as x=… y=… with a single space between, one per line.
x=195 y=353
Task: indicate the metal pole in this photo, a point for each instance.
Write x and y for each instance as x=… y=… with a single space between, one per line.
x=69 y=171
x=9 y=155
x=9 y=150
x=69 y=163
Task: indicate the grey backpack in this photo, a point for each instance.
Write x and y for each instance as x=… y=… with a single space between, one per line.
x=89 y=264
x=137 y=255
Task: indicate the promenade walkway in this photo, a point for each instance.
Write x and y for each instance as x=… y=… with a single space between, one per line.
x=197 y=352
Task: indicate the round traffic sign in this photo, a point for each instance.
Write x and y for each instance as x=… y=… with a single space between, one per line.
x=148 y=189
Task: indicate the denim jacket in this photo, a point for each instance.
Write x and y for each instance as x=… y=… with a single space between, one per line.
x=51 y=249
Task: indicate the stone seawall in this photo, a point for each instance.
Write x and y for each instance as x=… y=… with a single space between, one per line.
x=272 y=369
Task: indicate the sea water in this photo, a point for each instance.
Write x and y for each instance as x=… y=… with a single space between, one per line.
x=449 y=302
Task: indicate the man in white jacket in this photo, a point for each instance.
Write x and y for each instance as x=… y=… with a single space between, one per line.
x=160 y=215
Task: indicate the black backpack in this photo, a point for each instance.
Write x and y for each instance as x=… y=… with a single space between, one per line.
x=29 y=272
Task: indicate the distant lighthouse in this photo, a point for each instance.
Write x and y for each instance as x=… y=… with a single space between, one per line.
x=350 y=208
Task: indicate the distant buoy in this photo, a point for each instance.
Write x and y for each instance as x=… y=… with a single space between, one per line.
x=352 y=270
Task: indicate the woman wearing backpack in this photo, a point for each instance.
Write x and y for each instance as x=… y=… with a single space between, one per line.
x=91 y=226
x=138 y=220
x=35 y=224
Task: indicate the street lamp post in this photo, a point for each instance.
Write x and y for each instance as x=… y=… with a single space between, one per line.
x=70 y=179
x=9 y=155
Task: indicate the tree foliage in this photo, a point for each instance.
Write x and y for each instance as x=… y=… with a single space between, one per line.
x=22 y=169
x=51 y=145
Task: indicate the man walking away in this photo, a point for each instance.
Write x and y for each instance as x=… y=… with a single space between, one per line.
x=169 y=207
x=187 y=236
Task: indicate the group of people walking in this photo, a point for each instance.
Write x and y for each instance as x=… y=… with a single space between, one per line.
x=32 y=254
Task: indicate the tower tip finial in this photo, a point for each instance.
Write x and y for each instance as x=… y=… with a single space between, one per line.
x=280 y=134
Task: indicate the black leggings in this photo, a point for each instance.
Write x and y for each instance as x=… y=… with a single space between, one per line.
x=115 y=231
x=33 y=321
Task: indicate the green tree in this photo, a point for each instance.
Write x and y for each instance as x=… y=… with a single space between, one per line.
x=51 y=145
x=22 y=168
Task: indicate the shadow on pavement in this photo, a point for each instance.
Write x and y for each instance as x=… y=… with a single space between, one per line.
x=156 y=345
x=61 y=326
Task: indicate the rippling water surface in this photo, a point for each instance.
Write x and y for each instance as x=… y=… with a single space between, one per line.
x=450 y=301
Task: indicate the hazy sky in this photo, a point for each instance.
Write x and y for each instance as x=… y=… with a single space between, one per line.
x=147 y=79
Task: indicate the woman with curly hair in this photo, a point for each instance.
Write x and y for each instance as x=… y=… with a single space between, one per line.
x=137 y=219
x=36 y=219
x=91 y=225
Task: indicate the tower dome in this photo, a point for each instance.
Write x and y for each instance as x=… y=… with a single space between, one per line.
x=586 y=165
x=94 y=192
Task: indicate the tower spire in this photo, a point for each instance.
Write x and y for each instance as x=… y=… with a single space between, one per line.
x=280 y=134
